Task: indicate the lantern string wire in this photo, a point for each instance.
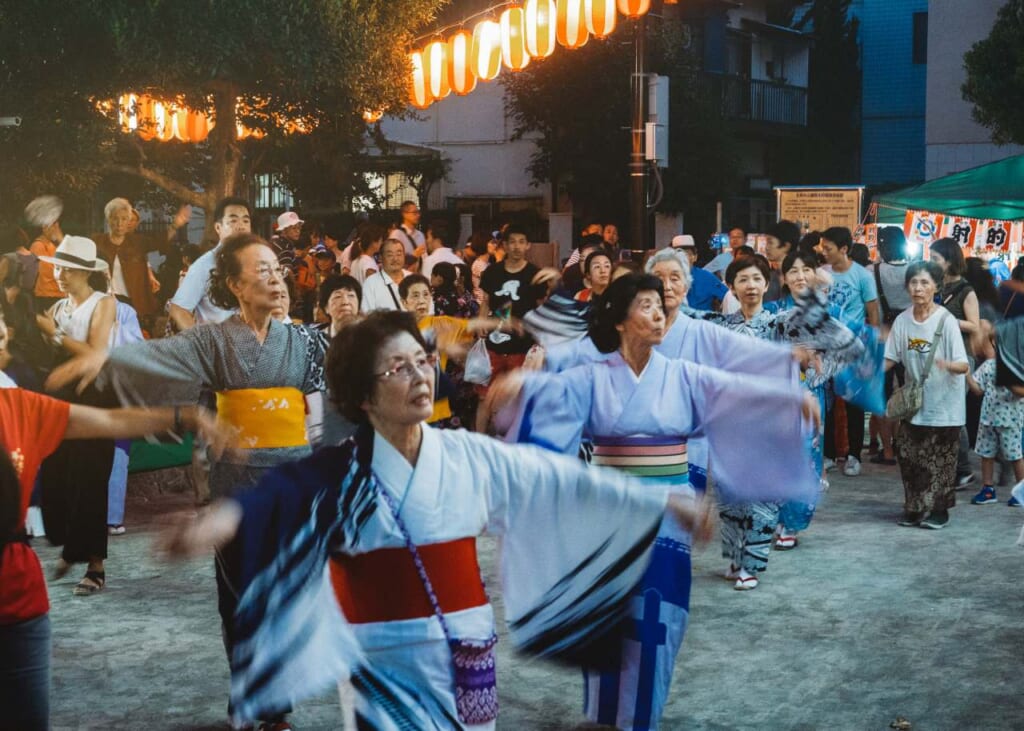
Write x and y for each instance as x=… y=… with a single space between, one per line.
x=460 y=24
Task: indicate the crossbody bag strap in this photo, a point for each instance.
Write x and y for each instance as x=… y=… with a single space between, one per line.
x=420 y=568
x=935 y=346
x=387 y=285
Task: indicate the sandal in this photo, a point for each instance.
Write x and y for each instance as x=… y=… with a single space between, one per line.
x=91 y=583
x=786 y=542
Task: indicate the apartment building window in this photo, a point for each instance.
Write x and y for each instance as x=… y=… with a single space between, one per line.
x=920 y=39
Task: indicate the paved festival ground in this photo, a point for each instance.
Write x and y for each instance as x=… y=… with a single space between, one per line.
x=864 y=622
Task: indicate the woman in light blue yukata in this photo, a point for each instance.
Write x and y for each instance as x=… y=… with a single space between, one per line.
x=638 y=408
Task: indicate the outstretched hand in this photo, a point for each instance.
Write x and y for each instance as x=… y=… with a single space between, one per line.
x=82 y=369
x=189 y=537
x=811 y=409
x=696 y=515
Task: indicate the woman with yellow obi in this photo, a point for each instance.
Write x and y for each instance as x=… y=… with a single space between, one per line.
x=452 y=337
x=262 y=371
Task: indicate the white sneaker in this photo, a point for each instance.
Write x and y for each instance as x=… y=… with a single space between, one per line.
x=829 y=464
x=852 y=468
x=745 y=581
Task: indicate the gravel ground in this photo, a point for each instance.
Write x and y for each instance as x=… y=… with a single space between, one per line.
x=863 y=623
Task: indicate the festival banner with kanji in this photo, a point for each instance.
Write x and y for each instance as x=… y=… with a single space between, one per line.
x=975 y=235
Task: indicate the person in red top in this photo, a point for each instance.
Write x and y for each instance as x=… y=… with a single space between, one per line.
x=31 y=428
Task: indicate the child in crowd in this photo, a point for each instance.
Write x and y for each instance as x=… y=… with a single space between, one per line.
x=999 y=430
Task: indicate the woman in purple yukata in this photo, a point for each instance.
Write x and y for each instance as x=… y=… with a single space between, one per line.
x=360 y=562
x=638 y=408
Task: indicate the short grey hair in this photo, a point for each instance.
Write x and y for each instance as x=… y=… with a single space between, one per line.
x=669 y=254
x=116 y=204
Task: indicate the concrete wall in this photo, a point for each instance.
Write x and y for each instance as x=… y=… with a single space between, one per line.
x=474 y=133
x=893 y=91
x=954 y=140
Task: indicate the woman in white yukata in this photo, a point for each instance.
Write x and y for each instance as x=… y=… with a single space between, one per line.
x=638 y=408
x=384 y=527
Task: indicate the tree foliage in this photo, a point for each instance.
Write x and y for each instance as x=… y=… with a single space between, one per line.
x=995 y=76
x=576 y=105
x=318 y=62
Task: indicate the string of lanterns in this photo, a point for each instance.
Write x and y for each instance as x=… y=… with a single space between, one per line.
x=525 y=30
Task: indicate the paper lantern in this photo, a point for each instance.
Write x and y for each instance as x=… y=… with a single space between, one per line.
x=634 y=8
x=600 y=16
x=419 y=93
x=197 y=126
x=540 y=27
x=486 y=53
x=460 y=63
x=513 y=39
x=435 y=64
x=570 y=26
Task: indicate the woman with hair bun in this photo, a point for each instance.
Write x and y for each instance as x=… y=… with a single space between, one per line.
x=256 y=365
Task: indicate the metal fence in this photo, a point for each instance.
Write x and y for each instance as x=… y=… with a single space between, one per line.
x=755 y=100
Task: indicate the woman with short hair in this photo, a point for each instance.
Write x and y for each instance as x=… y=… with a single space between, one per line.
x=394 y=514
x=926 y=444
x=638 y=408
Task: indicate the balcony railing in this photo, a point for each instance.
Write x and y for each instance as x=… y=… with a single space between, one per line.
x=754 y=100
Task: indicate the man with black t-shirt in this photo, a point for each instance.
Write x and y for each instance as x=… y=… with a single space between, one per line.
x=510 y=293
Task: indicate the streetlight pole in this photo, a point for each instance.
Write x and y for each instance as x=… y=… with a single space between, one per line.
x=637 y=161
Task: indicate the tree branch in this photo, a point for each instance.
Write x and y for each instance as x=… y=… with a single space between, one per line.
x=182 y=192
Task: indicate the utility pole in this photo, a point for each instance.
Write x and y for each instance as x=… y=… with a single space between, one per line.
x=637 y=162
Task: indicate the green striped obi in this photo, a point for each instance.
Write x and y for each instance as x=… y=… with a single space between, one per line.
x=659 y=458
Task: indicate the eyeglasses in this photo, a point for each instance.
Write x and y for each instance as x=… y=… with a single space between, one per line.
x=405 y=371
x=264 y=272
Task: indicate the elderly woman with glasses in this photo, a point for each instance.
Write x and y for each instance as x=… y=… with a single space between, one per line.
x=262 y=371
x=393 y=514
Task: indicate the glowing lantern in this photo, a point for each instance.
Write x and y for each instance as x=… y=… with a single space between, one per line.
x=634 y=8
x=460 y=62
x=435 y=62
x=513 y=40
x=486 y=54
x=600 y=16
x=570 y=26
x=419 y=93
x=540 y=27
x=197 y=127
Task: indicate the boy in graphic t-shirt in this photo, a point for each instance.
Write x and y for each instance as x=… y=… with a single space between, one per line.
x=510 y=292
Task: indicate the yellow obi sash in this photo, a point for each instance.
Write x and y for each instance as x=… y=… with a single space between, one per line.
x=266 y=418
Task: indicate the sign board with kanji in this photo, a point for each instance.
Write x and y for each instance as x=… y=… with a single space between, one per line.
x=816 y=209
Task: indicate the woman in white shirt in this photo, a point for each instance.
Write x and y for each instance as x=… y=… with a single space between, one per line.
x=926 y=445
x=367 y=244
x=75 y=477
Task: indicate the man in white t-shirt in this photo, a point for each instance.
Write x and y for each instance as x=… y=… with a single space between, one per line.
x=380 y=290
x=191 y=304
x=437 y=240
x=410 y=236
x=854 y=293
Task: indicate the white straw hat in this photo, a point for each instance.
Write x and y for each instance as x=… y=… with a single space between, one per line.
x=76 y=252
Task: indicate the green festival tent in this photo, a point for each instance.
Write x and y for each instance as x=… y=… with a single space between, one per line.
x=995 y=191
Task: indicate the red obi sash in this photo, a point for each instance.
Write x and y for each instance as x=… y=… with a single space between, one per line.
x=384 y=586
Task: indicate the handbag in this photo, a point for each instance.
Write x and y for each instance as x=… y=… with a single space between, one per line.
x=908 y=399
x=476 y=682
x=478 y=364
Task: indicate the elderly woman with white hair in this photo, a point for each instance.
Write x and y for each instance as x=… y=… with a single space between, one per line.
x=126 y=250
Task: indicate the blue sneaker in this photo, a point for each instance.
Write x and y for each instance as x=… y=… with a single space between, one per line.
x=987 y=496
x=1013 y=503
